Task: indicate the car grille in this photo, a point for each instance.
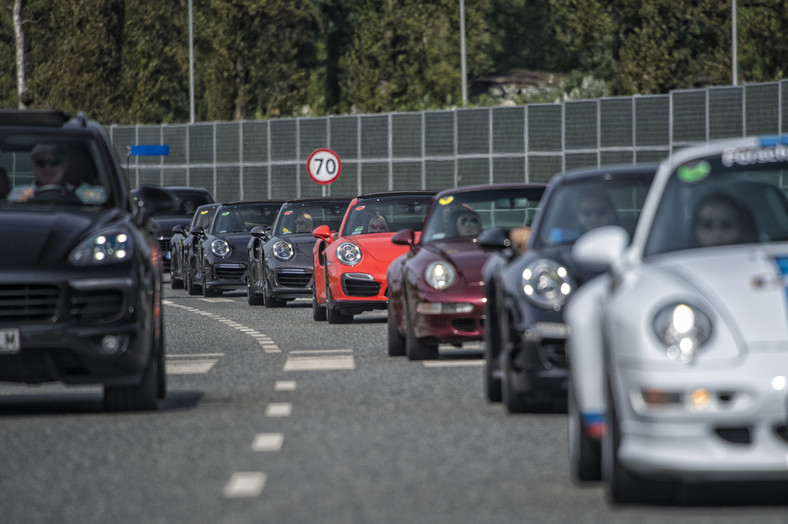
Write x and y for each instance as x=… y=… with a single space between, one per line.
x=97 y=305
x=25 y=303
x=293 y=277
x=235 y=272
x=40 y=303
x=356 y=287
x=465 y=325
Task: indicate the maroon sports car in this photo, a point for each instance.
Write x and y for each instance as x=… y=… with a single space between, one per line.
x=436 y=290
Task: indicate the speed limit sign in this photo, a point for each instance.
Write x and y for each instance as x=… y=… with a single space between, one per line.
x=323 y=166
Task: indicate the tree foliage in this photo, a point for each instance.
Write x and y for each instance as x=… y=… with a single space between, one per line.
x=128 y=62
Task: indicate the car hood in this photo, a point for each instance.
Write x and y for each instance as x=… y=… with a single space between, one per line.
x=746 y=287
x=376 y=245
x=36 y=239
x=164 y=225
x=465 y=255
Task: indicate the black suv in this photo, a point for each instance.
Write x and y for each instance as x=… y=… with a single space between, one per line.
x=80 y=279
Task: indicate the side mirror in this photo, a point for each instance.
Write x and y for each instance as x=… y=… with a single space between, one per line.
x=257 y=232
x=602 y=247
x=197 y=231
x=179 y=230
x=404 y=237
x=494 y=239
x=323 y=233
x=268 y=233
x=151 y=200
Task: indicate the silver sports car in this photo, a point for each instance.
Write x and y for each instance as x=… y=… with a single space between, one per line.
x=679 y=354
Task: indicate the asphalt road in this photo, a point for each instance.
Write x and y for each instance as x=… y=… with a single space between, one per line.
x=273 y=417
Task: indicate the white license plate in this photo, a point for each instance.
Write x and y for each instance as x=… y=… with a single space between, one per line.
x=9 y=341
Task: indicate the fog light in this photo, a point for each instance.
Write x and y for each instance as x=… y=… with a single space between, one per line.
x=110 y=344
x=700 y=398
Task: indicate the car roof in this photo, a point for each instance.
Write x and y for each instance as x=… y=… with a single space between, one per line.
x=243 y=202
x=319 y=199
x=615 y=170
x=415 y=192
x=491 y=187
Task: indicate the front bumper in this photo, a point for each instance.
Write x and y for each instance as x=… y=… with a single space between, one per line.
x=741 y=435
x=226 y=276
x=60 y=339
x=450 y=328
x=539 y=359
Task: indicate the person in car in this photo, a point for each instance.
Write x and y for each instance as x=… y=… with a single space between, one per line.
x=468 y=223
x=377 y=224
x=595 y=210
x=50 y=164
x=304 y=223
x=719 y=220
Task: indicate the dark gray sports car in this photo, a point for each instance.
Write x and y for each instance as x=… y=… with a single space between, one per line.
x=280 y=258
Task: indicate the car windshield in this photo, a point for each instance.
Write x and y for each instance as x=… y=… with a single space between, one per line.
x=387 y=214
x=303 y=217
x=203 y=216
x=243 y=217
x=578 y=206
x=188 y=202
x=466 y=214
x=35 y=170
x=717 y=201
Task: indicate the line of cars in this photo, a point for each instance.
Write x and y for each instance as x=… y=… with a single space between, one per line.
x=607 y=293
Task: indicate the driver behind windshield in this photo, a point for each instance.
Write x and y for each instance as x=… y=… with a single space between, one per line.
x=50 y=164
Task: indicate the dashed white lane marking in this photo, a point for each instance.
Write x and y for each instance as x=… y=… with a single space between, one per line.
x=279 y=409
x=189 y=367
x=245 y=484
x=266 y=344
x=268 y=442
x=329 y=362
x=215 y=300
x=451 y=363
x=319 y=351
x=285 y=385
x=195 y=355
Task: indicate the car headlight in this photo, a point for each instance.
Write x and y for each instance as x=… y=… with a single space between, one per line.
x=440 y=275
x=546 y=283
x=107 y=247
x=349 y=253
x=220 y=247
x=683 y=329
x=283 y=250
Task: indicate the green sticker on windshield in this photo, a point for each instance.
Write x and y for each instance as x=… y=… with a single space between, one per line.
x=694 y=174
x=225 y=213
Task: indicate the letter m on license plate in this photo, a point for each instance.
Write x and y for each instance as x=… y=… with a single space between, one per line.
x=9 y=340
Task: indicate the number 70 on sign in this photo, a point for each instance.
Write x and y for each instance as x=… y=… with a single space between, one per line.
x=324 y=166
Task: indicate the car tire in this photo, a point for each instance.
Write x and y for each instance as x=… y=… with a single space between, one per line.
x=492 y=383
x=396 y=342
x=189 y=284
x=514 y=401
x=140 y=397
x=623 y=486
x=253 y=298
x=416 y=349
x=333 y=315
x=318 y=311
x=268 y=299
x=585 y=462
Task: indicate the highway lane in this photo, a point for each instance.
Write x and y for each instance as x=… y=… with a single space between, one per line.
x=273 y=417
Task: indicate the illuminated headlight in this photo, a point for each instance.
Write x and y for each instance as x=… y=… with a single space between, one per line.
x=440 y=275
x=439 y=308
x=547 y=284
x=220 y=247
x=283 y=250
x=683 y=329
x=349 y=253
x=108 y=247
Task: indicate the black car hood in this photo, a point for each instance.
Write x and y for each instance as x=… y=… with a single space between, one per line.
x=164 y=225
x=45 y=239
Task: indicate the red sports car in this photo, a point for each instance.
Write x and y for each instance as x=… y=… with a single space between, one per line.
x=350 y=267
x=436 y=289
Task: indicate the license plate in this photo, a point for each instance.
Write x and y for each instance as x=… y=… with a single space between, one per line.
x=9 y=341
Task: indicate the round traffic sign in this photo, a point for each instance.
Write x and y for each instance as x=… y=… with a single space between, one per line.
x=323 y=166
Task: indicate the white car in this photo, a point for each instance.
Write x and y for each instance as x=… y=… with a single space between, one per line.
x=678 y=355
